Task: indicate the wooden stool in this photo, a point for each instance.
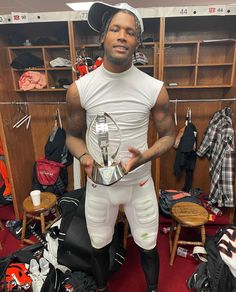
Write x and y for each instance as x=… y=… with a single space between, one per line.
x=186 y=214
x=48 y=200
x=122 y=218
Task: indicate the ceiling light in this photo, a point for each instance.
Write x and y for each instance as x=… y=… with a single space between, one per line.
x=80 y=6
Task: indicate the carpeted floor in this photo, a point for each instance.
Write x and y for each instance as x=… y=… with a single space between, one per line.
x=171 y=279
x=130 y=277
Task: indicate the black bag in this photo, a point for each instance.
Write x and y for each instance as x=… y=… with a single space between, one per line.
x=52 y=281
x=74 y=245
x=221 y=278
x=78 y=282
x=76 y=250
x=214 y=275
x=170 y=197
x=23 y=255
x=56 y=149
x=199 y=280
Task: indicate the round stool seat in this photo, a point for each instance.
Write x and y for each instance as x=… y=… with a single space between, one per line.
x=48 y=200
x=31 y=212
x=189 y=214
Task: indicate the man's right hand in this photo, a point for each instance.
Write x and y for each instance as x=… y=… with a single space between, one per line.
x=87 y=162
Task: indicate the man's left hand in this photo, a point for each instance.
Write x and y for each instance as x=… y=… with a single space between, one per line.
x=134 y=161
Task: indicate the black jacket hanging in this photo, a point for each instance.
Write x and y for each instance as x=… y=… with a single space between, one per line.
x=186 y=155
x=56 y=149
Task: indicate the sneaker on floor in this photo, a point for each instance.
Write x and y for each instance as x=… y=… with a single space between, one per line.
x=37 y=282
x=34 y=267
x=44 y=266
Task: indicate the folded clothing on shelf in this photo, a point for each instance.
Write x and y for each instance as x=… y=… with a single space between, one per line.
x=27 y=60
x=60 y=62
x=32 y=80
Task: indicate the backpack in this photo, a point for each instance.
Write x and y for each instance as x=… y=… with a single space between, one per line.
x=52 y=281
x=199 y=280
x=170 y=197
x=74 y=245
x=78 y=282
x=214 y=275
x=55 y=148
x=49 y=176
x=14 y=261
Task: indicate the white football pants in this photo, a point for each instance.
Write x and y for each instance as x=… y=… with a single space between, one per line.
x=140 y=206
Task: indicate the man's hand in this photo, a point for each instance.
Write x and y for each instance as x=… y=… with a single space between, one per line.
x=87 y=162
x=134 y=161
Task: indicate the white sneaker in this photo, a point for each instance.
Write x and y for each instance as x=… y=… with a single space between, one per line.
x=34 y=267
x=37 y=282
x=44 y=266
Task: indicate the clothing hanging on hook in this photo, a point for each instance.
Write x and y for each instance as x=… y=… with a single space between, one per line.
x=185 y=144
x=175 y=113
x=188 y=118
x=24 y=119
x=229 y=112
x=58 y=121
x=218 y=145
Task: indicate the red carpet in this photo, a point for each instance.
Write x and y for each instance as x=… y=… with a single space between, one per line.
x=130 y=277
x=171 y=279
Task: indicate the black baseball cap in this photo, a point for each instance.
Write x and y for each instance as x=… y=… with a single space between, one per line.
x=99 y=9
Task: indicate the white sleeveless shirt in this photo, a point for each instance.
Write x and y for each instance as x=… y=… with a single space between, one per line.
x=128 y=98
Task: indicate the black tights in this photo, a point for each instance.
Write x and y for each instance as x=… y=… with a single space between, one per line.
x=101 y=261
x=149 y=262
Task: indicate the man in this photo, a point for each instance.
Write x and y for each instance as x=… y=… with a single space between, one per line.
x=129 y=96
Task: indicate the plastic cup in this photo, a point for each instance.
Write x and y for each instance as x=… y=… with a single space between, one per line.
x=35 y=196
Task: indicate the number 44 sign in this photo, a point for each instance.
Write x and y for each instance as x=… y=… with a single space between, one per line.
x=19 y=17
x=183 y=11
x=216 y=10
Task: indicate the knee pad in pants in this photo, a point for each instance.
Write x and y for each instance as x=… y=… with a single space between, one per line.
x=150 y=265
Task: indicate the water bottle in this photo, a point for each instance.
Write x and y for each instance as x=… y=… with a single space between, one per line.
x=166 y=230
x=212 y=209
x=184 y=252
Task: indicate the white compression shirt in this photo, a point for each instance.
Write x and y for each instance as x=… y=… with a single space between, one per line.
x=128 y=98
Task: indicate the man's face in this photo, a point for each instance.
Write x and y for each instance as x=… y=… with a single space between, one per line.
x=120 y=40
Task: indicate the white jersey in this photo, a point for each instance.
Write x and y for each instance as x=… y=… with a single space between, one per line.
x=128 y=98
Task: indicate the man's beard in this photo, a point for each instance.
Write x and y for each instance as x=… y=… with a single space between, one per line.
x=117 y=61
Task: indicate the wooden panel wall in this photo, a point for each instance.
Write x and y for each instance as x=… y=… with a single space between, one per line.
x=23 y=146
x=201 y=114
x=19 y=149
x=186 y=29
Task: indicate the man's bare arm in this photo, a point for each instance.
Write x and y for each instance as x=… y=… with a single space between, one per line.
x=76 y=128
x=164 y=125
x=165 y=134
